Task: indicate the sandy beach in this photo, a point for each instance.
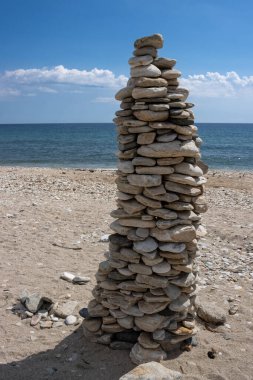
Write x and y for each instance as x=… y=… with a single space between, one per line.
x=52 y=221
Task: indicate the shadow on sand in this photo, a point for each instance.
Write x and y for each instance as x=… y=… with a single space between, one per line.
x=73 y=358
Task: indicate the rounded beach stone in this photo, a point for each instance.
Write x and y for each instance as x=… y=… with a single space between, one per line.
x=155 y=40
x=165 y=63
x=147 y=245
x=149 y=71
x=149 y=92
x=151 y=82
x=161 y=268
x=170 y=74
x=170 y=149
x=140 y=60
x=70 y=320
x=210 y=312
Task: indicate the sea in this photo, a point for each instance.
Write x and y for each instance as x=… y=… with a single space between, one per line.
x=93 y=145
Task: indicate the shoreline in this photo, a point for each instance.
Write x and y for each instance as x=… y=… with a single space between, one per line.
x=95 y=168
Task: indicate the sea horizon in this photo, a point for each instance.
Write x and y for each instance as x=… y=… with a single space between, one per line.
x=226 y=146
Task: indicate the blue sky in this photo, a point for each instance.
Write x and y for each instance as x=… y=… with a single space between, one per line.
x=63 y=60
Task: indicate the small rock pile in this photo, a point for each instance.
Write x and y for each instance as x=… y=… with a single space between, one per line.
x=43 y=311
x=147 y=287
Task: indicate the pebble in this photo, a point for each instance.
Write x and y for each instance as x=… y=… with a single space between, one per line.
x=70 y=320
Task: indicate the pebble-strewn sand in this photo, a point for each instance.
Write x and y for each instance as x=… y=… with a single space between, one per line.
x=45 y=213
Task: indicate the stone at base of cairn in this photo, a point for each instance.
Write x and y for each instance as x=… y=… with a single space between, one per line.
x=146 y=289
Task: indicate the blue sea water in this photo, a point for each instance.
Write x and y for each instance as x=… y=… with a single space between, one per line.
x=226 y=146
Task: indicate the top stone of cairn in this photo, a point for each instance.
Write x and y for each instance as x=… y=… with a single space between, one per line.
x=156 y=41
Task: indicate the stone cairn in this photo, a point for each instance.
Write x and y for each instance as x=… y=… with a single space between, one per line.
x=146 y=288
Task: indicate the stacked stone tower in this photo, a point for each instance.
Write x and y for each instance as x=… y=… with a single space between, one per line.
x=146 y=288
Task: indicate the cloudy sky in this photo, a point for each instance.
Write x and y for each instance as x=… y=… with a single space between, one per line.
x=63 y=61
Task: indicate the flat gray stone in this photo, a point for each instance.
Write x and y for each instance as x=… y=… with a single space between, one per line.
x=33 y=302
x=170 y=149
x=143 y=180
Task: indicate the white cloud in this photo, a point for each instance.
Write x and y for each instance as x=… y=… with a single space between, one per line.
x=216 y=85
x=60 y=79
x=56 y=79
